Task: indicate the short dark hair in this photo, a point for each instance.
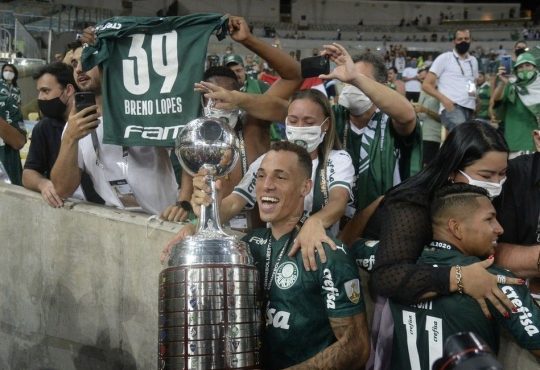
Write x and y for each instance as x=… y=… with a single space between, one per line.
x=220 y=71
x=304 y=159
x=379 y=68
x=457 y=195
x=63 y=73
x=462 y=30
x=74 y=45
x=393 y=69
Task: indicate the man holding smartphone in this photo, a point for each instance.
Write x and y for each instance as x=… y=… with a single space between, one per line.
x=517 y=104
x=134 y=178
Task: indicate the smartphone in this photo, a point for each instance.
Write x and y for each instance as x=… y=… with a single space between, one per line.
x=506 y=62
x=315 y=66
x=84 y=99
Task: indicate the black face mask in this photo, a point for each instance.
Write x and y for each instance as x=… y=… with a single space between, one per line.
x=463 y=47
x=53 y=108
x=519 y=51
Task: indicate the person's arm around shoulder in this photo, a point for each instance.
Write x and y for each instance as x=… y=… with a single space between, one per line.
x=66 y=174
x=524 y=261
x=524 y=323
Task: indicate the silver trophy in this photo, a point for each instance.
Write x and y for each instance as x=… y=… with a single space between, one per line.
x=208 y=311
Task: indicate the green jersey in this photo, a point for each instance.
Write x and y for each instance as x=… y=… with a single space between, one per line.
x=519 y=123
x=420 y=330
x=149 y=66
x=10 y=157
x=299 y=303
x=381 y=158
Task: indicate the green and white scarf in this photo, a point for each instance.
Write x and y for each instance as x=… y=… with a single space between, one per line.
x=529 y=94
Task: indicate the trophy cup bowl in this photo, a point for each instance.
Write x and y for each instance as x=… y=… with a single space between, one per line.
x=209 y=316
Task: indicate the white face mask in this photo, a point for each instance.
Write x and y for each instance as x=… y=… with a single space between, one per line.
x=309 y=137
x=493 y=188
x=354 y=100
x=230 y=117
x=8 y=75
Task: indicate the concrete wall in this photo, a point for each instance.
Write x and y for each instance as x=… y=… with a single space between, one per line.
x=78 y=285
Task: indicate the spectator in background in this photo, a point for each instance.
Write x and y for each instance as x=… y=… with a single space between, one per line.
x=12 y=137
x=250 y=85
x=451 y=80
x=56 y=90
x=8 y=82
x=393 y=81
x=518 y=104
x=483 y=98
x=149 y=184
x=427 y=110
x=377 y=126
x=400 y=62
x=412 y=84
x=520 y=47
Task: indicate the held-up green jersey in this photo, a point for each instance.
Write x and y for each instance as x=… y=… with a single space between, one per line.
x=10 y=157
x=149 y=66
x=301 y=302
x=420 y=330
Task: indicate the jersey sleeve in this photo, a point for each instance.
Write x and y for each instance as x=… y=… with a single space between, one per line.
x=340 y=283
x=246 y=186
x=14 y=116
x=340 y=171
x=36 y=159
x=523 y=325
x=363 y=252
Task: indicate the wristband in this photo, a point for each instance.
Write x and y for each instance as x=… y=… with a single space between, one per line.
x=185 y=205
x=459 y=277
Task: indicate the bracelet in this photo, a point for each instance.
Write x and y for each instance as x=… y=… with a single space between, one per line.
x=185 y=205
x=459 y=277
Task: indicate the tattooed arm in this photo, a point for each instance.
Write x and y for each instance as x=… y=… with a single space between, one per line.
x=351 y=351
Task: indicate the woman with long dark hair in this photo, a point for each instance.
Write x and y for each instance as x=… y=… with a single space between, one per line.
x=8 y=82
x=473 y=153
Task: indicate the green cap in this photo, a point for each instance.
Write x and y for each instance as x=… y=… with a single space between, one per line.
x=525 y=58
x=233 y=58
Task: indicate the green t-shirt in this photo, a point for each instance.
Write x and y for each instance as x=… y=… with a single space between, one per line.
x=10 y=157
x=300 y=302
x=149 y=66
x=381 y=158
x=420 y=330
x=519 y=124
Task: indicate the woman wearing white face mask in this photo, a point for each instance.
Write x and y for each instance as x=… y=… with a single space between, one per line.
x=473 y=153
x=309 y=123
x=8 y=82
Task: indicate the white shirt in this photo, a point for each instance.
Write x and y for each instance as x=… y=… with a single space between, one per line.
x=412 y=85
x=340 y=173
x=453 y=78
x=148 y=171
